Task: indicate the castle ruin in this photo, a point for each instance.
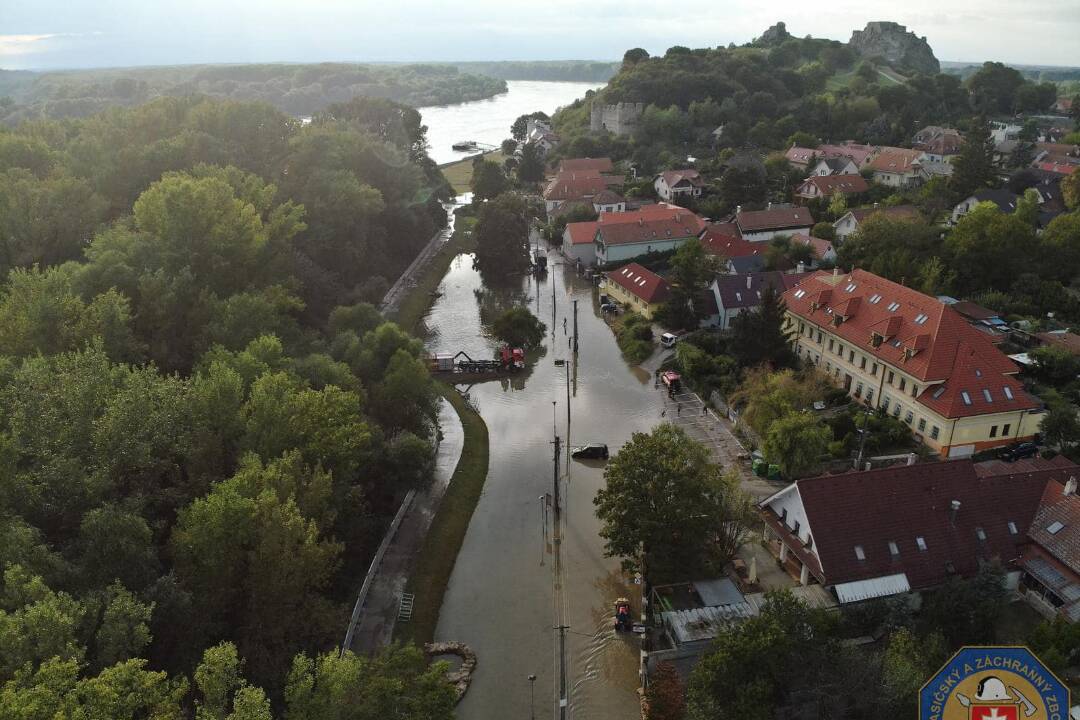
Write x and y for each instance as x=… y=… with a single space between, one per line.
x=620 y=119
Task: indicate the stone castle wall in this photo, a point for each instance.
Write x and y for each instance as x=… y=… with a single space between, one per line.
x=620 y=119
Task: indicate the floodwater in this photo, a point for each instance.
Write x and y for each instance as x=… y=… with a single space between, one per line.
x=488 y=121
x=501 y=599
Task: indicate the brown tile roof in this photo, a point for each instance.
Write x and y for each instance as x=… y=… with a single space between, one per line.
x=674 y=177
x=895 y=160
x=643 y=283
x=973 y=311
x=821 y=246
x=799 y=155
x=857 y=153
x=988 y=468
x=829 y=184
x=598 y=165
x=582 y=233
x=1069 y=341
x=919 y=334
x=774 y=219
x=901 y=503
x=567 y=186
x=652 y=223
x=607 y=197
x=1064 y=543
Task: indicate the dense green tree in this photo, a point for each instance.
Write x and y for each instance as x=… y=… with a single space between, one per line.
x=973 y=168
x=488 y=179
x=124 y=631
x=762 y=336
x=984 y=247
x=691 y=271
x=502 y=236
x=894 y=249
x=966 y=610
x=663 y=494
x=518 y=327
x=797 y=442
x=993 y=88
x=531 y=167
x=519 y=129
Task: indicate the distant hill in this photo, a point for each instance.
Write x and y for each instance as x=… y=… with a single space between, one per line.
x=1038 y=73
x=295 y=89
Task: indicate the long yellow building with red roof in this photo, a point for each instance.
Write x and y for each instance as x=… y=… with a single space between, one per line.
x=914 y=357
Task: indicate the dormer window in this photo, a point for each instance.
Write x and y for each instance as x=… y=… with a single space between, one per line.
x=981 y=534
x=894 y=549
x=859 y=554
x=800 y=293
x=850 y=287
x=1008 y=392
x=987 y=396
x=965 y=397
x=921 y=318
x=875 y=298
x=920 y=541
x=893 y=307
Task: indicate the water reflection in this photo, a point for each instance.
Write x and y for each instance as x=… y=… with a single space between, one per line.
x=499 y=599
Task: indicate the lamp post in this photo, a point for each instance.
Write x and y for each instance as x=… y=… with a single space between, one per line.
x=532 y=696
x=559 y=362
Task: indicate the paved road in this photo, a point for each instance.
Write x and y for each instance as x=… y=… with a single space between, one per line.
x=407 y=281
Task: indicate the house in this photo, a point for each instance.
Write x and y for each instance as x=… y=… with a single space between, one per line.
x=673 y=184
x=1063 y=106
x=937 y=142
x=820 y=187
x=835 y=166
x=1051 y=562
x=608 y=201
x=800 y=157
x=846 y=226
x=736 y=294
x=725 y=241
x=544 y=142
x=897 y=167
x=861 y=155
x=599 y=166
x=904 y=528
x=636 y=288
x=1003 y=132
x=822 y=249
x=1004 y=199
x=982 y=319
x=577 y=242
x=763 y=225
x=1057 y=153
x=1061 y=339
x=930 y=168
x=570 y=186
x=654 y=228
x=914 y=357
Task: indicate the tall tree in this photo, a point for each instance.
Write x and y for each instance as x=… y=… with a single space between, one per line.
x=692 y=269
x=973 y=168
x=531 y=167
x=762 y=336
x=502 y=236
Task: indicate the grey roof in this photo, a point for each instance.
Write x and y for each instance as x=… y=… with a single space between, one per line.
x=747 y=264
x=1004 y=199
x=744 y=290
x=717 y=592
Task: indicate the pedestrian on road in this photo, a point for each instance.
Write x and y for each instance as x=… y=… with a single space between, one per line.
x=663 y=412
x=678 y=409
x=564 y=326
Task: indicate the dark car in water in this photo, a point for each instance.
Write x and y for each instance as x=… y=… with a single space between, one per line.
x=1019 y=451
x=594 y=451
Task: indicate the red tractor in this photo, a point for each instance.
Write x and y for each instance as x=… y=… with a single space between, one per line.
x=512 y=358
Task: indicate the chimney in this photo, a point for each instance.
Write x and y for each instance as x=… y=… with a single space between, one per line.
x=769 y=207
x=954 y=508
x=800 y=267
x=738 y=209
x=1070 y=487
x=749 y=279
x=836 y=272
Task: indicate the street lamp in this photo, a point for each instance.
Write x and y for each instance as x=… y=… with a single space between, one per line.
x=559 y=362
x=532 y=706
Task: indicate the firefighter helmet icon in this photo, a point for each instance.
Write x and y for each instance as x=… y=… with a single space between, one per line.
x=993 y=683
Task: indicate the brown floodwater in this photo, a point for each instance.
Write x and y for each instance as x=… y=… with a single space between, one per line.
x=500 y=599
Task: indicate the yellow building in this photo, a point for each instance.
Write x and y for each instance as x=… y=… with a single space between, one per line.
x=894 y=348
x=636 y=289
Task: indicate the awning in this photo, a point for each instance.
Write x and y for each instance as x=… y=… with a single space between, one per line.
x=873 y=588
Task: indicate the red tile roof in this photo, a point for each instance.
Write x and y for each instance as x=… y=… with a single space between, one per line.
x=990 y=468
x=598 y=165
x=829 y=184
x=917 y=333
x=674 y=177
x=899 y=504
x=608 y=197
x=895 y=160
x=774 y=219
x=651 y=223
x=821 y=246
x=724 y=240
x=799 y=155
x=643 y=283
x=857 y=153
x=1057 y=507
x=1061 y=169
x=582 y=233
x=1069 y=341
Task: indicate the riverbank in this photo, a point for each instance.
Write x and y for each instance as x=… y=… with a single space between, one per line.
x=437 y=556
x=459 y=173
x=418 y=299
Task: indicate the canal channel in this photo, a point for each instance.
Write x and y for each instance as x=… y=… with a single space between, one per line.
x=500 y=597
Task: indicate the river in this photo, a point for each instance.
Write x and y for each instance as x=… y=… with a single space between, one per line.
x=488 y=121
x=500 y=597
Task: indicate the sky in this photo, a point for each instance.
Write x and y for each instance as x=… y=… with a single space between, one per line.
x=54 y=34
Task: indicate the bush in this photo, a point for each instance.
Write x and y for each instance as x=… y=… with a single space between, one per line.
x=634 y=336
x=518 y=327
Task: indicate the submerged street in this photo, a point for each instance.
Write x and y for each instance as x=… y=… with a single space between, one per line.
x=500 y=598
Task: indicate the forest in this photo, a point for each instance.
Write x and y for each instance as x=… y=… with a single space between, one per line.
x=204 y=430
x=299 y=90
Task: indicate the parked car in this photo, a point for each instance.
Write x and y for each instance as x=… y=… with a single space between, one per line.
x=668 y=340
x=593 y=451
x=1019 y=451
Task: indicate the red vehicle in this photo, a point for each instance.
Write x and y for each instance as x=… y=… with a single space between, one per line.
x=672 y=380
x=512 y=357
x=623 y=621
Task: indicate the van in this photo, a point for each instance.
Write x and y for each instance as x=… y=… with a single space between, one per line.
x=668 y=340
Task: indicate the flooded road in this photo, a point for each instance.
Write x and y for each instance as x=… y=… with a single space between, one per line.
x=500 y=597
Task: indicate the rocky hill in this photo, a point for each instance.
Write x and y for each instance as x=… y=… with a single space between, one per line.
x=903 y=49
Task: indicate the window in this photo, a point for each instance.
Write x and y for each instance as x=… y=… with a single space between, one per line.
x=914 y=391
x=858 y=390
x=893 y=307
x=987 y=396
x=862 y=363
x=921 y=542
x=830 y=344
x=966 y=398
x=859 y=552
x=795 y=530
x=802 y=326
x=922 y=424
x=938 y=392
x=875 y=299
x=783 y=515
x=1012 y=528
x=896 y=410
x=869 y=395
x=909 y=417
x=934 y=432
x=828 y=367
x=800 y=293
x=993 y=431
x=840 y=349
x=1008 y=392
x=894 y=550
x=1054 y=528
x=1005 y=430
x=873 y=370
x=981 y=534
x=891 y=376
x=818 y=337
x=885 y=401
x=903 y=384
x=851 y=356
x=921 y=319
x=850 y=287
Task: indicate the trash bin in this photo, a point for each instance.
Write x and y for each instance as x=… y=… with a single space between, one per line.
x=759 y=467
x=774 y=472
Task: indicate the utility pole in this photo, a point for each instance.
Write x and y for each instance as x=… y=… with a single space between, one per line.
x=553 y=301
x=556 y=570
x=575 y=327
x=862 y=439
x=565 y=364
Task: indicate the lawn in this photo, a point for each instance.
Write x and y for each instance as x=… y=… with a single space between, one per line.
x=438 y=554
x=459 y=174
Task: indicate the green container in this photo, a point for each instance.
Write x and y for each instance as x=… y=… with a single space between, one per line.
x=759 y=467
x=774 y=472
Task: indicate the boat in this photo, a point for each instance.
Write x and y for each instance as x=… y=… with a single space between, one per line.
x=464 y=145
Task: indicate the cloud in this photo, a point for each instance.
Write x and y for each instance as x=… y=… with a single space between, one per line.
x=28 y=44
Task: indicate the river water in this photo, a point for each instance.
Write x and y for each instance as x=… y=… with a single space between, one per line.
x=500 y=597
x=488 y=121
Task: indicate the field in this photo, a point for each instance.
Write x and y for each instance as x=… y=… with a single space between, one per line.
x=459 y=174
